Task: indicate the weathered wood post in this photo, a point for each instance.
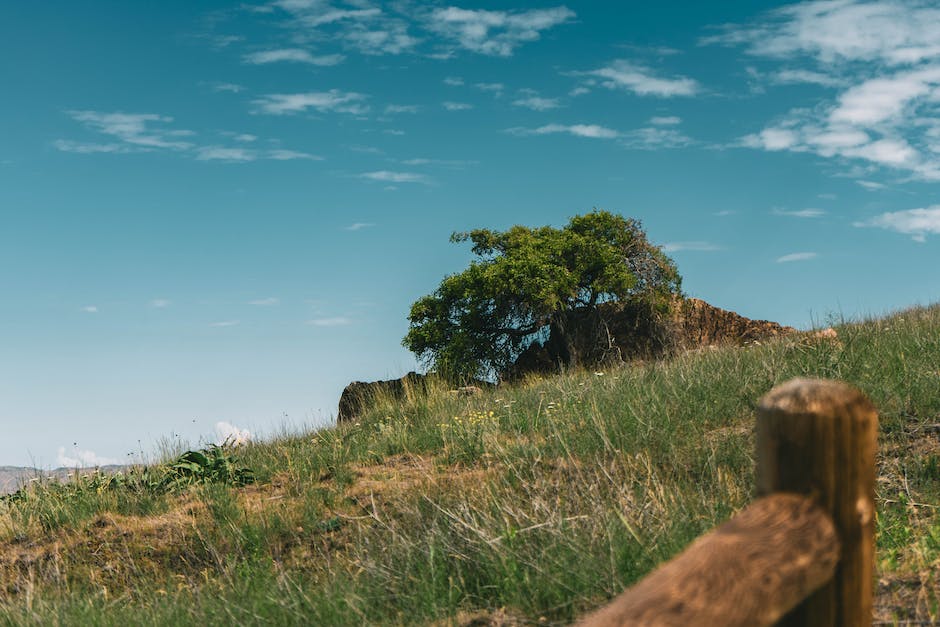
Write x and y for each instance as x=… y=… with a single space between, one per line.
x=801 y=554
x=819 y=438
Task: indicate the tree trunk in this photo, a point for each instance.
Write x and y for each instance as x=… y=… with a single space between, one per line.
x=561 y=343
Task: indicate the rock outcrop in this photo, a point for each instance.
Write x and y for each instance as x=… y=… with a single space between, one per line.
x=700 y=324
x=611 y=333
x=616 y=332
x=359 y=395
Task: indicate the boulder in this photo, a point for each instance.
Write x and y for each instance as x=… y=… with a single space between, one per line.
x=359 y=395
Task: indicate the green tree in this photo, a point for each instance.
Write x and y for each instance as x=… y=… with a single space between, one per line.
x=526 y=284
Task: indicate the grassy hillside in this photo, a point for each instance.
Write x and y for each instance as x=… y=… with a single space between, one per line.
x=527 y=505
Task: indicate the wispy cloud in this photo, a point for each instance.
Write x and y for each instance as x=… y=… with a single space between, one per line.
x=698 y=246
x=394 y=109
x=870 y=185
x=221 y=153
x=654 y=138
x=537 y=103
x=239 y=154
x=456 y=106
x=160 y=303
x=329 y=322
x=453 y=81
x=226 y=87
x=140 y=131
x=224 y=323
x=799 y=213
x=290 y=155
x=270 y=301
x=797 y=77
x=892 y=32
x=88 y=148
x=293 y=55
x=496 y=88
x=643 y=81
x=668 y=120
x=395 y=177
x=90 y=309
x=366 y=29
x=594 y=131
x=83 y=459
x=797 y=257
x=883 y=54
x=495 y=33
x=443 y=163
x=918 y=223
x=333 y=100
x=358 y=226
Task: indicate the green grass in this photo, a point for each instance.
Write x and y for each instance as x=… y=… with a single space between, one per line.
x=539 y=501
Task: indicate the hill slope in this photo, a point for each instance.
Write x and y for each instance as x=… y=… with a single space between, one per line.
x=525 y=505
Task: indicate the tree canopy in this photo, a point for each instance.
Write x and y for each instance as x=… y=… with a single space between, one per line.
x=527 y=281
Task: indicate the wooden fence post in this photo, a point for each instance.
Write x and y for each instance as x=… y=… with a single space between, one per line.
x=819 y=438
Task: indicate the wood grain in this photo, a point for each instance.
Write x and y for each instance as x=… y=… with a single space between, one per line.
x=819 y=438
x=749 y=571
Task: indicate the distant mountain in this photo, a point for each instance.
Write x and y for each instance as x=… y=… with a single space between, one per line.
x=13 y=477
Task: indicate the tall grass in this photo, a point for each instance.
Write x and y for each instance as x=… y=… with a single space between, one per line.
x=538 y=501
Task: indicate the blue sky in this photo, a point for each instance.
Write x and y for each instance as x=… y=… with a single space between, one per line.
x=216 y=214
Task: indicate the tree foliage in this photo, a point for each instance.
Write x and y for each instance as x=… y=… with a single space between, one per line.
x=527 y=281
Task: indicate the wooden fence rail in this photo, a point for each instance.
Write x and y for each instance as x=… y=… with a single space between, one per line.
x=803 y=552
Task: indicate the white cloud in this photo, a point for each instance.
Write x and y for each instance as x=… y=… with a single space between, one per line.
x=226 y=87
x=86 y=148
x=393 y=109
x=917 y=223
x=295 y=55
x=227 y=433
x=772 y=139
x=291 y=155
x=456 y=106
x=83 y=459
x=271 y=301
x=134 y=129
x=700 y=246
x=329 y=322
x=885 y=54
x=453 y=81
x=395 y=177
x=797 y=257
x=160 y=303
x=893 y=32
x=796 y=77
x=323 y=102
x=883 y=98
x=221 y=153
x=245 y=137
x=670 y=120
x=368 y=29
x=800 y=213
x=654 y=138
x=579 y=91
x=90 y=309
x=495 y=33
x=594 y=131
x=871 y=185
x=537 y=103
x=492 y=87
x=640 y=80
x=224 y=323
x=444 y=163
x=358 y=226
